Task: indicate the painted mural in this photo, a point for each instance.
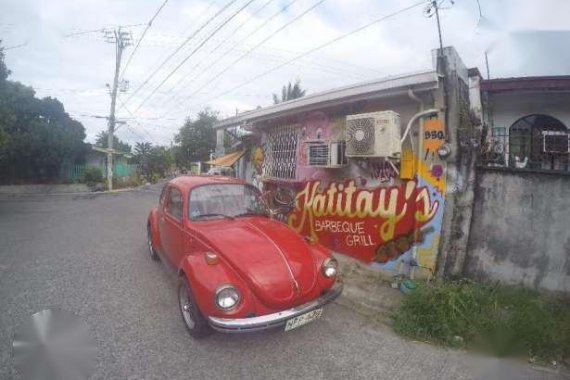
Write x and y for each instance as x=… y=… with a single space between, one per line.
x=378 y=225
x=368 y=208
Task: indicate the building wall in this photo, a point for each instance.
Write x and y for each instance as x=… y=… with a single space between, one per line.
x=519 y=232
x=507 y=108
x=364 y=209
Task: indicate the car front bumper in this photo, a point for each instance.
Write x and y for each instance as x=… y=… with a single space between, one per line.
x=269 y=321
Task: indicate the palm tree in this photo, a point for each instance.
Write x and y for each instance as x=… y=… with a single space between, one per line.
x=289 y=92
x=142 y=148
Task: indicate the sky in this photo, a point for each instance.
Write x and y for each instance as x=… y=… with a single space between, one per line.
x=223 y=49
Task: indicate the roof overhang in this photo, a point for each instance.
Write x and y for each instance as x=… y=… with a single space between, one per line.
x=228 y=160
x=534 y=84
x=381 y=88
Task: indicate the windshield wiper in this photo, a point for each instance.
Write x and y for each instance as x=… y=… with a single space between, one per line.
x=214 y=214
x=250 y=214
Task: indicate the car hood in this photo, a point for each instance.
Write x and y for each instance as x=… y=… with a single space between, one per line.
x=275 y=261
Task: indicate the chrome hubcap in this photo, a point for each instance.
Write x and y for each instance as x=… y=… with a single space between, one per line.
x=185 y=307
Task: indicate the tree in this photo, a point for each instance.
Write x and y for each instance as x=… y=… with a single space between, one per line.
x=289 y=92
x=37 y=136
x=152 y=161
x=118 y=145
x=197 y=138
x=4 y=72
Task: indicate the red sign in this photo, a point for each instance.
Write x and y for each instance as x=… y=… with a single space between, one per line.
x=361 y=222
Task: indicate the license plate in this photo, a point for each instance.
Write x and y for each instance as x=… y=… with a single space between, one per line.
x=303 y=319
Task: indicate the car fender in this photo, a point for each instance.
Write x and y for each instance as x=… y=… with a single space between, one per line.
x=153 y=221
x=321 y=253
x=205 y=279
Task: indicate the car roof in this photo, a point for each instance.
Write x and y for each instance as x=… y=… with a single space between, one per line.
x=188 y=182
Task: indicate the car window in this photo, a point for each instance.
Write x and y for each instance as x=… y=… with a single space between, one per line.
x=174 y=206
x=162 y=194
x=225 y=200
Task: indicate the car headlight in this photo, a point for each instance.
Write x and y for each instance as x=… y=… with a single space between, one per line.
x=329 y=267
x=227 y=297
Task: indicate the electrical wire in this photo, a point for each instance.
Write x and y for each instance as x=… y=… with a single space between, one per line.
x=142 y=37
x=224 y=23
x=222 y=42
x=254 y=48
x=179 y=48
x=359 y=29
x=233 y=47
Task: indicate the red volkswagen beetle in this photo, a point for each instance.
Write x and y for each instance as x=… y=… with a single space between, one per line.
x=239 y=269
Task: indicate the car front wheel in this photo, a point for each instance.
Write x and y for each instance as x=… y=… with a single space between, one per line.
x=195 y=322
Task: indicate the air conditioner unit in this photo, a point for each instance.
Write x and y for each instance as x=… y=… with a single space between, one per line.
x=328 y=154
x=555 y=142
x=375 y=134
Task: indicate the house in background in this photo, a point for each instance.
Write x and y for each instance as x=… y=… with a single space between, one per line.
x=519 y=231
x=97 y=157
x=359 y=169
x=528 y=122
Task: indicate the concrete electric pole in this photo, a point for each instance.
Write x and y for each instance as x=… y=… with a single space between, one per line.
x=121 y=39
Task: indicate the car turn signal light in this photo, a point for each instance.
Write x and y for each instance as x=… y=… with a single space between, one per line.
x=211 y=258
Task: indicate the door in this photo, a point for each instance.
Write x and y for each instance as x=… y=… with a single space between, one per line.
x=171 y=227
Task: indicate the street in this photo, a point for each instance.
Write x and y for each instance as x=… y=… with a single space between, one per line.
x=87 y=254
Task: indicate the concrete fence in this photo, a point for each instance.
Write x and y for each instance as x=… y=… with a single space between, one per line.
x=520 y=231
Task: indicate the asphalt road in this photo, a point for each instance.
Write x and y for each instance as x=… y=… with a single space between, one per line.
x=87 y=254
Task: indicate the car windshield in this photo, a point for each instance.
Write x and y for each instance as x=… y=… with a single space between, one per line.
x=225 y=201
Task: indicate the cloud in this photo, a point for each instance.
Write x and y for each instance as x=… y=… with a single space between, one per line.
x=76 y=69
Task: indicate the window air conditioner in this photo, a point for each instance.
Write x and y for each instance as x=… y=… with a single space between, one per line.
x=328 y=154
x=556 y=142
x=375 y=134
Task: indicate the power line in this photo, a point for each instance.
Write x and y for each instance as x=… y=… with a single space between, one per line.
x=231 y=34
x=142 y=37
x=232 y=48
x=16 y=46
x=134 y=120
x=359 y=29
x=193 y=52
x=252 y=49
x=179 y=48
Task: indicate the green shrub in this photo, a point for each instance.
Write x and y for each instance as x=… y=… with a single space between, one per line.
x=93 y=175
x=497 y=319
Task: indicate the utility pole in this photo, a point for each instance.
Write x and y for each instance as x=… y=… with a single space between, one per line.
x=121 y=39
x=436 y=7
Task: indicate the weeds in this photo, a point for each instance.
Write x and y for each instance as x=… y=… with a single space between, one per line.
x=497 y=319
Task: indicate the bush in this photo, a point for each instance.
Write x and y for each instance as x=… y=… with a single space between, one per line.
x=497 y=319
x=93 y=175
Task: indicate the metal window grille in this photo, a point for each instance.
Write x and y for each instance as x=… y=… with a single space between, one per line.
x=533 y=142
x=281 y=152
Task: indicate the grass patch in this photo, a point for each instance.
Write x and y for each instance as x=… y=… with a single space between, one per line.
x=504 y=321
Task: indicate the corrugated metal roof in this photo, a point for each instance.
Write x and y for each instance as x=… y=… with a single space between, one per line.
x=384 y=87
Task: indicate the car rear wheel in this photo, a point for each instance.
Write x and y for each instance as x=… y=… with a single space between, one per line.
x=195 y=322
x=153 y=254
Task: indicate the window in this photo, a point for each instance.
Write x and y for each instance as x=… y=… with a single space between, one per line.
x=532 y=142
x=174 y=206
x=281 y=152
x=225 y=201
x=538 y=142
x=162 y=194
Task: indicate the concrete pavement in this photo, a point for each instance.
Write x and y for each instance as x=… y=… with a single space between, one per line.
x=87 y=254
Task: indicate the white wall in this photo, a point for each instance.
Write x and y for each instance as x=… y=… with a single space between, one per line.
x=509 y=107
